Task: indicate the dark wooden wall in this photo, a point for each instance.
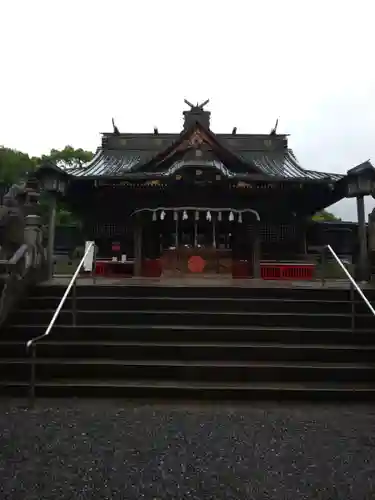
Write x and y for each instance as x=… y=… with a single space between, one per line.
x=342 y=236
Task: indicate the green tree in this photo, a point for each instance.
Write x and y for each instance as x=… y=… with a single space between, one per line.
x=15 y=165
x=325 y=216
x=68 y=155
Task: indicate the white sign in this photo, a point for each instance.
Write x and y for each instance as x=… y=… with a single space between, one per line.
x=89 y=260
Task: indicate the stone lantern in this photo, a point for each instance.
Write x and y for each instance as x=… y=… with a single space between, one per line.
x=54 y=182
x=360 y=183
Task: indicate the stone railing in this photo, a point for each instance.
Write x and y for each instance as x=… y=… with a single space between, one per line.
x=24 y=269
x=22 y=255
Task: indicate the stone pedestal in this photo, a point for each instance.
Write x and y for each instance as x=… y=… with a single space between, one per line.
x=33 y=237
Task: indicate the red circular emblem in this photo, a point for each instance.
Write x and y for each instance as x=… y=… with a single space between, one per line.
x=196 y=264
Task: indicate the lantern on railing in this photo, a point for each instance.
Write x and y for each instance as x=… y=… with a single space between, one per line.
x=360 y=180
x=53 y=181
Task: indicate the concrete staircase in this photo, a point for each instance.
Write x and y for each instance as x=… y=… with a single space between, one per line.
x=193 y=342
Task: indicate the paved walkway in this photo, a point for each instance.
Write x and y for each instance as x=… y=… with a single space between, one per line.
x=77 y=450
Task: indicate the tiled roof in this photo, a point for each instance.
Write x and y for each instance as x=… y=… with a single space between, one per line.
x=111 y=163
x=116 y=163
x=255 y=155
x=284 y=165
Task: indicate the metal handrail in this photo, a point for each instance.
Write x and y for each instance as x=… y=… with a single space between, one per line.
x=32 y=343
x=16 y=257
x=18 y=254
x=351 y=279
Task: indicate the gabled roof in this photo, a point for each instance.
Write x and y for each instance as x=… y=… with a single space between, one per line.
x=196 y=138
x=269 y=157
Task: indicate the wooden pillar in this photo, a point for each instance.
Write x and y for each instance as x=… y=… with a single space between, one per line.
x=137 y=246
x=176 y=239
x=371 y=244
x=256 y=250
x=213 y=222
x=362 y=234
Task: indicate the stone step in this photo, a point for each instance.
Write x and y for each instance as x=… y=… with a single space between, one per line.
x=156 y=390
x=214 y=291
x=192 y=341
x=254 y=304
x=194 y=318
x=204 y=351
x=168 y=333
x=188 y=370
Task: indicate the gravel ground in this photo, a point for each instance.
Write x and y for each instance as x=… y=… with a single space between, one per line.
x=100 y=449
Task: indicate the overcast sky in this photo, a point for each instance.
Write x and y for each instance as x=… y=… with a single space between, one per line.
x=68 y=66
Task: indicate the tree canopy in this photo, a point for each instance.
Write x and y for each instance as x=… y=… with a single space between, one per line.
x=16 y=166
x=68 y=155
x=324 y=215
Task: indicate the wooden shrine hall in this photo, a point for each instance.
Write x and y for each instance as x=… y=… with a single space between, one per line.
x=196 y=202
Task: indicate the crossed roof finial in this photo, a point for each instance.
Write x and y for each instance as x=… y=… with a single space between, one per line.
x=198 y=106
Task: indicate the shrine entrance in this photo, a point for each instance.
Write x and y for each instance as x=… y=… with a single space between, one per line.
x=194 y=241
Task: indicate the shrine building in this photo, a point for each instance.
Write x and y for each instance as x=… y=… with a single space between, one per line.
x=172 y=204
